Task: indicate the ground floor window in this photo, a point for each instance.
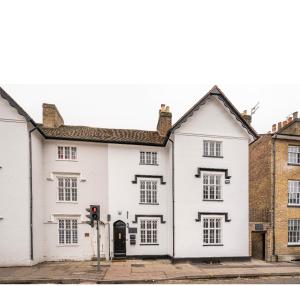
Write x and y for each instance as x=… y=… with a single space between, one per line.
x=294 y=231
x=212 y=231
x=67 y=231
x=148 y=231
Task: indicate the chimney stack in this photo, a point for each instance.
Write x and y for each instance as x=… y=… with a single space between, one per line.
x=164 y=120
x=247 y=117
x=51 y=116
x=295 y=115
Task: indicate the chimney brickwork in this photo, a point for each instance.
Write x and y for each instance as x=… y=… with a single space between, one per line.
x=247 y=117
x=164 y=120
x=51 y=116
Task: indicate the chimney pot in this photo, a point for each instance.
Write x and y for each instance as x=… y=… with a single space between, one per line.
x=279 y=125
x=274 y=127
x=290 y=119
x=51 y=116
x=285 y=122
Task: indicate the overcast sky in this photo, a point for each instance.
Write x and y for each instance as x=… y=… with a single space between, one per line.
x=136 y=106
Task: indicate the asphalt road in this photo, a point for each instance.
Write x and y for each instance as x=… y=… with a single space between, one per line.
x=264 y=280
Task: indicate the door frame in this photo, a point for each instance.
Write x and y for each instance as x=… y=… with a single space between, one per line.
x=264 y=234
x=124 y=238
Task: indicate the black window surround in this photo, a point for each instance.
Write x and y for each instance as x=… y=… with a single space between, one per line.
x=199 y=170
x=149 y=177
x=212 y=213
x=136 y=217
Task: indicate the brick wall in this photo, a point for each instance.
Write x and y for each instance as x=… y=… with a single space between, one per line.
x=284 y=172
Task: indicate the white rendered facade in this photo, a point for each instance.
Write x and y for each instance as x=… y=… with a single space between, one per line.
x=143 y=197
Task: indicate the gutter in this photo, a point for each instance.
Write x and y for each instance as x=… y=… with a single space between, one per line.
x=173 y=200
x=273 y=191
x=30 y=190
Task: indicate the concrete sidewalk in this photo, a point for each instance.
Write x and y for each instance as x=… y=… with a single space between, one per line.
x=142 y=271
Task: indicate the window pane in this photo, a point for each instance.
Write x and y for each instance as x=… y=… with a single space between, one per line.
x=74 y=153
x=67 y=153
x=60 y=151
x=142 y=158
x=154 y=158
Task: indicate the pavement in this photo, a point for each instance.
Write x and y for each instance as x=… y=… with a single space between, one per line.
x=144 y=271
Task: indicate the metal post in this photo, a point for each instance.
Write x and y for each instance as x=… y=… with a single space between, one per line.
x=98 y=247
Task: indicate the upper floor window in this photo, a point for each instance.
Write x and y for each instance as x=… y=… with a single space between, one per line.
x=148 y=158
x=294 y=193
x=294 y=155
x=211 y=187
x=148 y=231
x=67 y=231
x=148 y=192
x=67 y=189
x=294 y=231
x=212 y=231
x=212 y=148
x=66 y=153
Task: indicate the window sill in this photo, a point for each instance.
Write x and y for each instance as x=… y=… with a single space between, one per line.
x=293 y=164
x=149 y=164
x=67 y=202
x=293 y=245
x=68 y=245
x=149 y=244
x=66 y=160
x=207 y=156
x=204 y=200
x=149 y=204
x=213 y=244
x=293 y=206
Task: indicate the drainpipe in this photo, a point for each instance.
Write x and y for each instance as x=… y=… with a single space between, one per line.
x=30 y=190
x=173 y=199
x=273 y=192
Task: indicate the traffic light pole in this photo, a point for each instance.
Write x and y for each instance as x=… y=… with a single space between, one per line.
x=98 y=247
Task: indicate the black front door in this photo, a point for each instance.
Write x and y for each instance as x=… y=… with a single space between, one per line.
x=119 y=239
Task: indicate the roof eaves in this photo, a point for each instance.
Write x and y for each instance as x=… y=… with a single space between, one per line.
x=215 y=90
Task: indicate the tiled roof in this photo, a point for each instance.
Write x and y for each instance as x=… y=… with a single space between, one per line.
x=104 y=135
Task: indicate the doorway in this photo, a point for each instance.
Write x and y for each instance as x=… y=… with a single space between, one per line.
x=119 y=239
x=258 y=245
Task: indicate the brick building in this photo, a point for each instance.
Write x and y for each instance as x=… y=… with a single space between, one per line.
x=275 y=192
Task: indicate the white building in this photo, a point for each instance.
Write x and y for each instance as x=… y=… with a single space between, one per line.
x=178 y=192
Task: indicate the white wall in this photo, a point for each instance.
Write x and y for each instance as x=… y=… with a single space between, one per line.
x=91 y=169
x=124 y=196
x=209 y=123
x=38 y=196
x=14 y=187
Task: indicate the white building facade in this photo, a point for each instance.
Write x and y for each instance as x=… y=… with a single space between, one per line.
x=179 y=192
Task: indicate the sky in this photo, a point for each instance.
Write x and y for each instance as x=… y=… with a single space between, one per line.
x=136 y=106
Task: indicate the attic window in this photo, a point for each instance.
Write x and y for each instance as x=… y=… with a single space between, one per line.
x=294 y=155
x=66 y=153
x=148 y=158
x=212 y=149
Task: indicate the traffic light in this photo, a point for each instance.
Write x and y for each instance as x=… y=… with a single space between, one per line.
x=94 y=214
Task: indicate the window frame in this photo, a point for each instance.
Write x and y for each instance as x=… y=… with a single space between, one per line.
x=153 y=231
x=295 y=153
x=71 y=229
x=209 y=228
x=149 y=158
x=71 y=178
x=71 y=149
x=209 y=185
x=293 y=191
x=144 y=191
x=297 y=232
x=207 y=150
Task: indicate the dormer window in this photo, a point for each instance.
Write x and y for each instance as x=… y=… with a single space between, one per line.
x=148 y=158
x=212 y=149
x=66 y=153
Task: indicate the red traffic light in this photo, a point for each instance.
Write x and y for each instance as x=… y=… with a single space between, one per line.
x=94 y=209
